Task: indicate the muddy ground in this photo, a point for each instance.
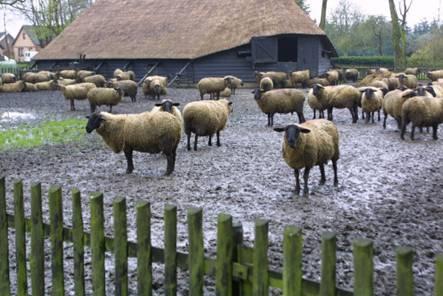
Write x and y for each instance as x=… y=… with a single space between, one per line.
x=389 y=190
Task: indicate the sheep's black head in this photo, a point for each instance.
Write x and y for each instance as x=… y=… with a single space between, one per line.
x=228 y=81
x=317 y=88
x=94 y=122
x=429 y=89
x=166 y=105
x=257 y=93
x=292 y=133
x=369 y=92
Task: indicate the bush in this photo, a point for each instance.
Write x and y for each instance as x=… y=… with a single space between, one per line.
x=368 y=61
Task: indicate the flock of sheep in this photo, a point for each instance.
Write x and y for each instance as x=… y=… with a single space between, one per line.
x=305 y=145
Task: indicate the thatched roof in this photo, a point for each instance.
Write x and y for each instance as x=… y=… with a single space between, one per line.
x=174 y=29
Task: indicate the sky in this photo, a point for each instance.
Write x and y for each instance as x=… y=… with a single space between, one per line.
x=420 y=10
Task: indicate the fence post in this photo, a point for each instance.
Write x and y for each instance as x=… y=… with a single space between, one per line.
x=292 y=261
x=20 y=239
x=144 y=251
x=196 y=251
x=56 y=234
x=4 y=243
x=363 y=267
x=438 y=290
x=260 y=277
x=238 y=244
x=225 y=251
x=120 y=247
x=37 y=243
x=97 y=245
x=328 y=264
x=405 y=275
x=170 y=215
x=78 y=240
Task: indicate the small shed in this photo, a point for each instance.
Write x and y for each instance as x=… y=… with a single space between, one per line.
x=192 y=38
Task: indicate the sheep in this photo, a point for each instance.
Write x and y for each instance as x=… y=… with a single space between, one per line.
x=171 y=107
x=66 y=81
x=104 y=96
x=41 y=76
x=408 y=80
x=17 y=86
x=306 y=145
x=98 y=80
x=282 y=101
x=47 y=85
x=205 y=118
x=371 y=101
x=8 y=78
x=122 y=75
x=380 y=85
x=435 y=90
x=392 y=104
x=315 y=105
x=278 y=78
x=392 y=82
x=435 y=75
x=412 y=71
x=128 y=87
x=76 y=92
x=82 y=74
x=213 y=85
x=300 y=77
x=235 y=83
x=317 y=80
x=266 y=84
x=226 y=93
x=30 y=87
x=68 y=74
x=333 y=76
x=155 y=86
x=340 y=96
x=351 y=75
x=422 y=112
x=151 y=132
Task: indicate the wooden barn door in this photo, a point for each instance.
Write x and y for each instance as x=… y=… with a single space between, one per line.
x=308 y=53
x=264 y=50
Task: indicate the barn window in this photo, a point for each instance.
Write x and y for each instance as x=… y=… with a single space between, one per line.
x=287 y=49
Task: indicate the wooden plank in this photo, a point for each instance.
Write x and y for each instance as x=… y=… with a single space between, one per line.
x=438 y=290
x=225 y=252
x=260 y=278
x=56 y=230
x=170 y=253
x=196 y=251
x=20 y=239
x=97 y=245
x=78 y=242
x=363 y=267
x=328 y=264
x=4 y=243
x=292 y=261
x=120 y=247
x=144 y=251
x=37 y=259
x=405 y=275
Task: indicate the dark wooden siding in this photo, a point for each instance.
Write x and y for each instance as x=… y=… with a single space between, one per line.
x=324 y=59
x=308 y=53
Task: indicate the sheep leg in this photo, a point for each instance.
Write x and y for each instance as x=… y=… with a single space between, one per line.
x=171 y=163
x=189 y=141
x=72 y=105
x=373 y=117
x=272 y=119
x=313 y=117
x=301 y=117
x=218 y=95
x=367 y=117
x=201 y=96
x=322 y=173
x=297 y=181
x=362 y=114
x=353 y=114
x=420 y=129
x=218 y=139
x=128 y=154
x=92 y=106
x=403 y=129
x=412 y=131
x=269 y=119
x=384 y=119
x=434 y=131
x=330 y=113
x=379 y=118
x=210 y=141
x=334 y=166
x=110 y=108
x=305 y=179
x=321 y=114
x=195 y=142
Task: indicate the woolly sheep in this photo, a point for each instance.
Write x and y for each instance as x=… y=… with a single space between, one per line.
x=47 y=85
x=351 y=75
x=66 y=81
x=434 y=90
x=315 y=105
x=213 y=85
x=155 y=86
x=17 y=86
x=41 y=76
x=435 y=75
x=97 y=79
x=408 y=80
x=309 y=144
x=392 y=103
x=266 y=84
x=104 y=96
x=392 y=82
x=380 y=85
x=124 y=75
x=8 y=78
x=68 y=74
x=300 y=77
x=422 y=112
x=151 y=132
x=332 y=76
x=278 y=78
x=371 y=101
x=171 y=107
x=235 y=83
x=29 y=87
x=82 y=74
x=412 y=71
x=128 y=87
x=205 y=118
x=76 y=92
x=340 y=96
x=226 y=93
x=281 y=101
x=317 y=80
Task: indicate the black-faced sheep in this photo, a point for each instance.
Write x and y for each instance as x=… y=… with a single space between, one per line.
x=128 y=87
x=422 y=112
x=155 y=86
x=283 y=101
x=300 y=77
x=205 y=118
x=408 y=80
x=315 y=105
x=29 y=87
x=151 y=132
x=76 y=92
x=371 y=102
x=393 y=102
x=213 y=86
x=278 y=78
x=104 y=96
x=434 y=89
x=171 y=107
x=309 y=144
x=351 y=75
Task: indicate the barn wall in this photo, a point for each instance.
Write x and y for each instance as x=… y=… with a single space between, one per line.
x=324 y=59
x=308 y=53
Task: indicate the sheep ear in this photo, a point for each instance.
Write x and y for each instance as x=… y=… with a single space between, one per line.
x=229 y=103
x=158 y=104
x=303 y=129
x=279 y=129
x=176 y=104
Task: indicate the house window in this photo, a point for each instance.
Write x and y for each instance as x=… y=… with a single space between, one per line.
x=20 y=51
x=24 y=36
x=287 y=49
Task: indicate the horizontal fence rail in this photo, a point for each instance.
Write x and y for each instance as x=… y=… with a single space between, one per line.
x=237 y=270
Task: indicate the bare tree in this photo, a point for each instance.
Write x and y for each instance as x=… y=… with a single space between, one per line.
x=323 y=14
x=399 y=57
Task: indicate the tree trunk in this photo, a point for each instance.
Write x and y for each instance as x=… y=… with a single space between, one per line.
x=396 y=38
x=323 y=14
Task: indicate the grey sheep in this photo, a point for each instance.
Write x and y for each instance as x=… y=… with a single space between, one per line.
x=283 y=101
x=150 y=132
x=309 y=144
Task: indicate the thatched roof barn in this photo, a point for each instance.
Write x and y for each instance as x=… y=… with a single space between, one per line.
x=210 y=37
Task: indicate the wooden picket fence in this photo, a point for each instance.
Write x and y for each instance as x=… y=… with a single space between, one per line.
x=238 y=270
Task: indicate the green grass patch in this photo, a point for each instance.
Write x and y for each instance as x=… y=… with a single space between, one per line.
x=45 y=133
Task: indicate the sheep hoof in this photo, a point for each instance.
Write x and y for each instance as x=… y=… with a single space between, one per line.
x=322 y=182
x=336 y=183
x=129 y=171
x=306 y=193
